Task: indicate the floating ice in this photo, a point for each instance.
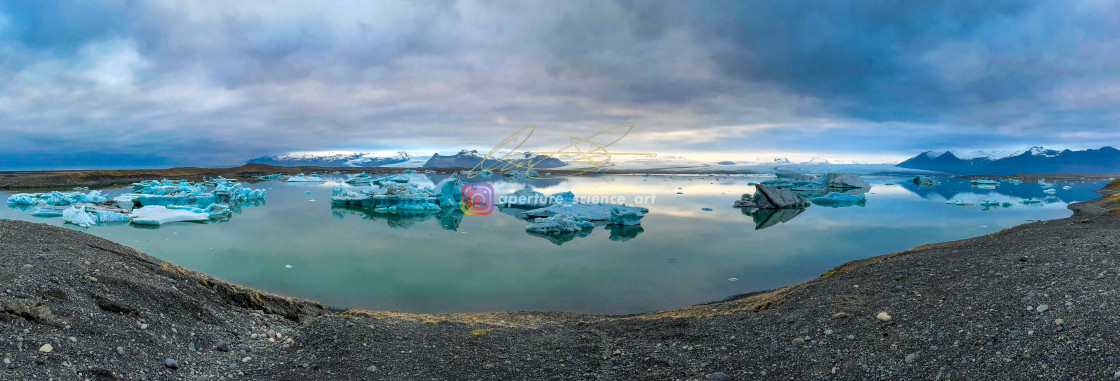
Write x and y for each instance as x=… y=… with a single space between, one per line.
x=613 y=214
x=1045 y=185
x=1050 y=191
x=159 y=215
x=525 y=198
x=391 y=178
x=984 y=182
x=301 y=178
x=924 y=181
x=24 y=199
x=559 y=224
x=845 y=180
x=361 y=178
x=959 y=202
x=88 y=216
x=1030 y=202
x=48 y=211
x=840 y=199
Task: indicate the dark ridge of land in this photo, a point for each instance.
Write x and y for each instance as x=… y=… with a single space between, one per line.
x=1049 y=177
x=111 y=177
x=1037 y=301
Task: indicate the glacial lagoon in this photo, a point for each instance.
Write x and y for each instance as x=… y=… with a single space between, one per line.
x=295 y=243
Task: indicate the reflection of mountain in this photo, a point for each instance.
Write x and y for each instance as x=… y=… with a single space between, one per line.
x=764 y=218
x=449 y=218
x=951 y=188
x=623 y=233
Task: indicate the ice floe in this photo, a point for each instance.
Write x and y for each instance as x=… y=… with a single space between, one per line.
x=835 y=199
x=159 y=215
x=301 y=178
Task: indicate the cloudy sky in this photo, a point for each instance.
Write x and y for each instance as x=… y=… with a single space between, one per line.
x=155 y=83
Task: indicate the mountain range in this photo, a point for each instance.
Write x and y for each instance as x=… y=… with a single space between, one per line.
x=1032 y=160
x=471 y=159
x=333 y=159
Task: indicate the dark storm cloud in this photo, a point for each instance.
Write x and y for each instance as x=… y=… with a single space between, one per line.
x=215 y=83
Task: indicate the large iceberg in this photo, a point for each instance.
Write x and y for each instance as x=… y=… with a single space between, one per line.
x=845 y=180
x=924 y=181
x=613 y=214
x=24 y=199
x=391 y=178
x=159 y=215
x=768 y=197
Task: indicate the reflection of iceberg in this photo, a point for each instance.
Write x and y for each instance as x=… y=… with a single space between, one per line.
x=623 y=233
x=837 y=200
x=614 y=214
x=449 y=218
x=561 y=238
x=1030 y=202
x=764 y=218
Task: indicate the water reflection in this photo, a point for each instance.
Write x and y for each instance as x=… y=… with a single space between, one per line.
x=449 y=218
x=764 y=218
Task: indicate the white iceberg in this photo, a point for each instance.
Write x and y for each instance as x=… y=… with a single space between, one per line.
x=159 y=215
x=559 y=224
x=525 y=198
x=301 y=178
x=86 y=216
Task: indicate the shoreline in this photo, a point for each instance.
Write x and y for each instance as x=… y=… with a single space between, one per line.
x=958 y=310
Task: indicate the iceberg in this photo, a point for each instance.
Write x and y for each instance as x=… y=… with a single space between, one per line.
x=559 y=224
x=525 y=198
x=24 y=199
x=361 y=178
x=1016 y=181
x=87 y=216
x=301 y=178
x=845 y=180
x=1067 y=187
x=840 y=199
x=924 y=181
x=1050 y=191
x=1030 y=202
x=768 y=197
x=984 y=182
x=449 y=191
x=48 y=211
x=159 y=215
x=959 y=202
x=613 y=214
x=1045 y=185
x=391 y=178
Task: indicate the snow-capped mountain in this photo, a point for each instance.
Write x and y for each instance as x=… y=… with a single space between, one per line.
x=471 y=159
x=1030 y=160
x=334 y=159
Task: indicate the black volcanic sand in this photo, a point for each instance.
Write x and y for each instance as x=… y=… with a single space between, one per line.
x=1038 y=301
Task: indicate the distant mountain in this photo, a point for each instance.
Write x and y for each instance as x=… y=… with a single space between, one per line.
x=332 y=159
x=1032 y=160
x=471 y=158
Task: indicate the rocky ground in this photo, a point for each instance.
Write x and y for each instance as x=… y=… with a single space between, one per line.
x=1039 y=301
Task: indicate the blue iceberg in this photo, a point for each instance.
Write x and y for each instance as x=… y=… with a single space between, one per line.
x=840 y=199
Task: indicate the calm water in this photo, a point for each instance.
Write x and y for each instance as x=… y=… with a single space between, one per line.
x=681 y=255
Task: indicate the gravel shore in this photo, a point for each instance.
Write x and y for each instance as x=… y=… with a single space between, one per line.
x=1038 y=301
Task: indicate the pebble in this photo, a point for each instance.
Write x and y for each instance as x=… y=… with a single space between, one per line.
x=171 y=363
x=488 y=366
x=7 y=361
x=851 y=337
x=719 y=376
x=883 y=316
x=911 y=358
x=840 y=315
x=1042 y=307
x=143 y=326
x=798 y=341
x=223 y=346
x=1059 y=321
x=46 y=348
x=246 y=359
x=828 y=332
x=372 y=368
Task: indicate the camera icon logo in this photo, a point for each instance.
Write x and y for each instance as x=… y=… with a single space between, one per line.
x=478 y=198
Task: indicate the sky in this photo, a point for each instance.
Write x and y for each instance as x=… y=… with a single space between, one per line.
x=211 y=83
